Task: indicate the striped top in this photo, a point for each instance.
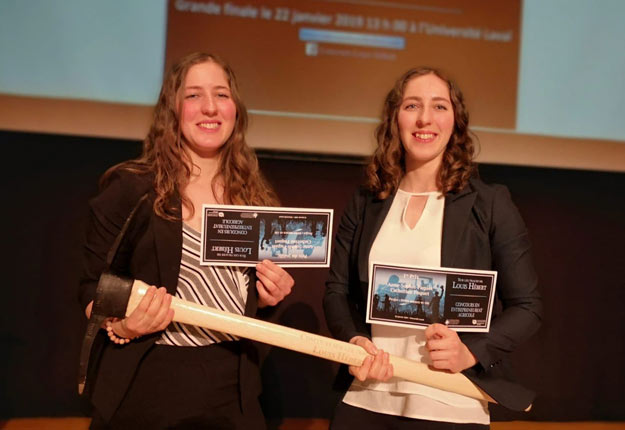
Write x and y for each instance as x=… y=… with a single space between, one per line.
x=219 y=287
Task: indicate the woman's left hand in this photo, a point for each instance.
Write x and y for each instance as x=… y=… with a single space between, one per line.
x=274 y=283
x=447 y=350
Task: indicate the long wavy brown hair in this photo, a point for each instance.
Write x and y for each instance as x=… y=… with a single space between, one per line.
x=387 y=165
x=164 y=154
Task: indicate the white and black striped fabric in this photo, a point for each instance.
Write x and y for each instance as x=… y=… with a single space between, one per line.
x=219 y=287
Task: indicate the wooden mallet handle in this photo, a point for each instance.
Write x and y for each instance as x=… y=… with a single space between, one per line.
x=307 y=343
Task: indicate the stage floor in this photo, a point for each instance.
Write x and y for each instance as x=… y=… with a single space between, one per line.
x=310 y=424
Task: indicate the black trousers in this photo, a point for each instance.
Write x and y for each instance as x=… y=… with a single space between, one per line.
x=185 y=388
x=347 y=417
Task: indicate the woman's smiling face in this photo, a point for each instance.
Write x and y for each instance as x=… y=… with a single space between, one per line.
x=425 y=120
x=208 y=110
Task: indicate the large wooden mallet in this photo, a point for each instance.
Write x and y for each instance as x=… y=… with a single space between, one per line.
x=114 y=292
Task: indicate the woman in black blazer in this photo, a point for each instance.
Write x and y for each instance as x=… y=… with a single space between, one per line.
x=149 y=372
x=423 y=205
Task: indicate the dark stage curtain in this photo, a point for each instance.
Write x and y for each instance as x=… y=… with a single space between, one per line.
x=576 y=223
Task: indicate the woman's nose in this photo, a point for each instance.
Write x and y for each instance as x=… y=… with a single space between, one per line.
x=209 y=106
x=423 y=117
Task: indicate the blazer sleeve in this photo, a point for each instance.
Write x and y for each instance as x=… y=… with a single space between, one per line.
x=107 y=213
x=517 y=285
x=342 y=295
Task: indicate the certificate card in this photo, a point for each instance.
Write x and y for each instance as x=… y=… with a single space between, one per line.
x=246 y=235
x=411 y=296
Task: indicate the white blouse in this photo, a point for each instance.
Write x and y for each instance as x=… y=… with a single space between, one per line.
x=397 y=243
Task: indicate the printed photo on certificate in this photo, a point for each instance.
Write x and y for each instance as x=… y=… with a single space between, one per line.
x=411 y=296
x=245 y=235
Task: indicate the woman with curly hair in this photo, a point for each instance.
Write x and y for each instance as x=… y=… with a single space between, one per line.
x=423 y=205
x=150 y=372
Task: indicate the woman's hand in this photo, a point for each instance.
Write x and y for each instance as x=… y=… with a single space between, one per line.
x=153 y=314
x=273 y=284
x=447 y=350
x=375 y=366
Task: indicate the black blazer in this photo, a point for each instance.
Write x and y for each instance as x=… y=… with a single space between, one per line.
x=482 y=229
x=151 y=252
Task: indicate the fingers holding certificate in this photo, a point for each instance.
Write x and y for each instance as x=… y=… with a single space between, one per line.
x=273 y=284
x=247 y=235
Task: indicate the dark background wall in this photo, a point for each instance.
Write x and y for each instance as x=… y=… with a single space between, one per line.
x=575 y=219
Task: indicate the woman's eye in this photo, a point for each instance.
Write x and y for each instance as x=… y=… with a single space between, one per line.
x=191 y=96
x=410 y=106
x=223 y=95
x=441 y=107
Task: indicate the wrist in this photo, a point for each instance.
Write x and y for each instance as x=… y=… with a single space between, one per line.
x=122 y=329
x=116 y=333
x=470 y=359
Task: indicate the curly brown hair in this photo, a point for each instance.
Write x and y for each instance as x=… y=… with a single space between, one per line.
x=387 y=164
x=164 y=153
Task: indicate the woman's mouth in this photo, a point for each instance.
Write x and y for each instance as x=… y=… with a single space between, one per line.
x=209 y=125
x=424 y=136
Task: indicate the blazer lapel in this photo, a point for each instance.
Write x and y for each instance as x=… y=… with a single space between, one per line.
x=375 y=213
x=168 y=245
x=457 y=211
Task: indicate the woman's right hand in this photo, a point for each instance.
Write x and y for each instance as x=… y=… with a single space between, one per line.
x=375 y=366
x=153 y=314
